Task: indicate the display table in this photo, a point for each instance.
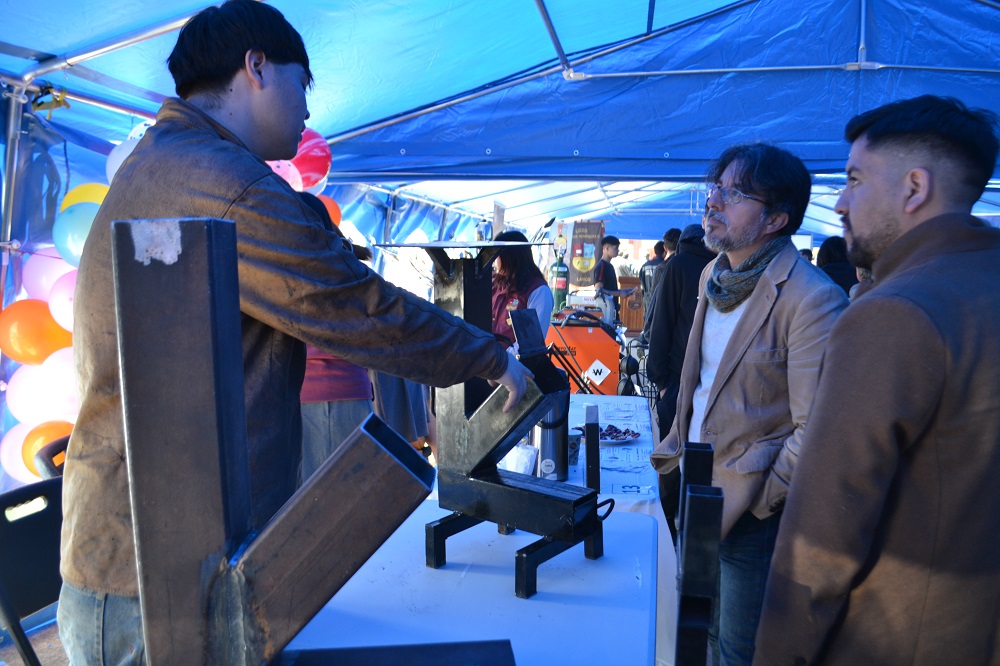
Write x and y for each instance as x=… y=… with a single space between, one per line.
x=627 y=476
x=585 y=612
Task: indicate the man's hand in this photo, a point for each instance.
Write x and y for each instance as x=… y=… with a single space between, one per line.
x=515 y=380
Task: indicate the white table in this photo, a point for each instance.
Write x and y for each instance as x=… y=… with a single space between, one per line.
x=627 y=476
x=585 y=612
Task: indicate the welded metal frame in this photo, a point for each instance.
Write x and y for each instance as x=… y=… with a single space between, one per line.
x=217 y=584
x=474 y=434
x=698 y=560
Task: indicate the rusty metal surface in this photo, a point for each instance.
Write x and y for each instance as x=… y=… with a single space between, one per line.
x=474 y=434
x=184 y=416
x=211 y=591
x=329 y=528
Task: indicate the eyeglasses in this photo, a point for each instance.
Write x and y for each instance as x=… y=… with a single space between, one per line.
x=731 y=195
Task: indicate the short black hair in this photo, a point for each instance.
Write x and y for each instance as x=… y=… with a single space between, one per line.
x=671 y=238
x=659 y=249
x=610 y=240
x=832 y=251
x=211 y=48
x=942 y=126
x=771 y=173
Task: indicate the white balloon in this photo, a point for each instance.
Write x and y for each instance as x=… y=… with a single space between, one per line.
x=118 y=155
x=318 y=188
x=140 y=130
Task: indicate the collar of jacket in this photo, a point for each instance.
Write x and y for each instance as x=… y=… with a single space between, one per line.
x=177 y=110
x=944 y=234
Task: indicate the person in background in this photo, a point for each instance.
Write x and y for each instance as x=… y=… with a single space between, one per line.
x=750 y=370
x=241 y=74
x=670 y=240
x=518 y=284
x=605 y=280
x=807 y=254
x=647 y=271
x=889 y=551
x=832 y=260
x=336 y=394
x=865 y=282
x=674 y=307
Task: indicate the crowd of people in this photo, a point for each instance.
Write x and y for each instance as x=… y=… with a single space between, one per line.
x=856 y=444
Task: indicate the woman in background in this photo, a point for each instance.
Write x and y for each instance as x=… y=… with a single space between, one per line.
x=832 y=260
x=518 y=284
x=336 y=394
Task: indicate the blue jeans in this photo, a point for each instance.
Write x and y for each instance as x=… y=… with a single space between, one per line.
x=325 y=425
x=744 y=560
x=100 y=629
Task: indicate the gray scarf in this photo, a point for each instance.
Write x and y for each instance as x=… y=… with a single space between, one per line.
x=728 y=287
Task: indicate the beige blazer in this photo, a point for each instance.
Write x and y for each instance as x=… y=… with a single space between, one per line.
x=759 y=402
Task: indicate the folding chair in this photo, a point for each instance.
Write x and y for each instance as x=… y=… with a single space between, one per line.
x=50 y=458
x=30 y=523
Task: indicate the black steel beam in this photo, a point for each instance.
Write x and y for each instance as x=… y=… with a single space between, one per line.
x=185 y=429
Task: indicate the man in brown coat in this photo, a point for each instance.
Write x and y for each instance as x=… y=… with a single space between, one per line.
x=889 y=550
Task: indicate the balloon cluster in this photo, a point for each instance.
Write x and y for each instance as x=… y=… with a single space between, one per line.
x=307 y=171
x=36 y=332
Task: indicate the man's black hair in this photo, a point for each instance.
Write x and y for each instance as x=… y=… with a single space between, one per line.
x=671 y=238
x=211 y=48
x=659 y=249
x=943 y=127
x=772 y=174
x=610 y=240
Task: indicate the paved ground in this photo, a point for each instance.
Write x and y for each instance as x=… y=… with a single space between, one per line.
x=45 y=640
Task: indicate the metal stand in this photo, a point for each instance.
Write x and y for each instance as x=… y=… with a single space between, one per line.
x=475 y=434
x=698 y=566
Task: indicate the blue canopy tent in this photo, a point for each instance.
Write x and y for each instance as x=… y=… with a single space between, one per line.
x=439 y=112
x=596 y=92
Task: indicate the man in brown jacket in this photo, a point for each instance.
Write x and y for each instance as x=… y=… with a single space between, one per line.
x=241 y=71
x=889 y=551
x=750 y=369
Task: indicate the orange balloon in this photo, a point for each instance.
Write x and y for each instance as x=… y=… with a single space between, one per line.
x=39 y=436
x=29 y=334
x=331 y=207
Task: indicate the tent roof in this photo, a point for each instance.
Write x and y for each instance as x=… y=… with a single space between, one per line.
x=627 y=100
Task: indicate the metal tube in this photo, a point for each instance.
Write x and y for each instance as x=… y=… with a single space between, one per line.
x=15 y=111
x=862 y=33
x=74 y=58
x=544 y=11
x=524 y=79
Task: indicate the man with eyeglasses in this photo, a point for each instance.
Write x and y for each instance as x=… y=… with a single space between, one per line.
x=750 y=370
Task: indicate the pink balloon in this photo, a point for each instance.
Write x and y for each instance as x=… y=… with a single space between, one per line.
x=289 y=172
x=46 y=392
x=312 y=158
x=61 y=300
x=41 y=270
x=11 y=457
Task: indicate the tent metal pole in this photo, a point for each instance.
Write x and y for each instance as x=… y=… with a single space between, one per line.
x=418 y=199
x=863 y=35
x=388 y=122
x=90 y=100
x=15 y=110
x=544 y=11
x=62 y=62
x=109 y=106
